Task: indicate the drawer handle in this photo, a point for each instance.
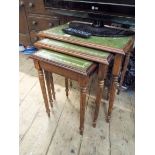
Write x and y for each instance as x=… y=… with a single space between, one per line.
x=50 y=24
x=31 y=5
x=21 y=3
x=34 y=23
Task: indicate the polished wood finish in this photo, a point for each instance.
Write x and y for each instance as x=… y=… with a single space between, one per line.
x=48 y=87
x=99 y=92
x=88 y=44
x=71 y=84
x=114 y=83
x=83 y=90
x=52 y=85
x=42 y=85
x=73 y=53
x=119 y=52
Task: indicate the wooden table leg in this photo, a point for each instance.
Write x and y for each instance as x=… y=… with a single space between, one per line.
x=66 y=85
x=42 y=84
x=114 y=83
x=83 y=91
x=126 y=62
x=71 y=84
x=52 y=85
x=107 y=91
x=47 y=77
x=99 y=93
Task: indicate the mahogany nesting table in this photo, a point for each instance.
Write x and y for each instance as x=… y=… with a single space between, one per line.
x=70 y=67
x=119 y=46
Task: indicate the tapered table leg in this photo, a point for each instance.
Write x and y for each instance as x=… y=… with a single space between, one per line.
x=126 y=62
x=114 y=83
x=83 y=91
x=99 y=93
x=71 y=83
x=43 y=89
x=52 y=85
x=66 y=85
x=47 y=77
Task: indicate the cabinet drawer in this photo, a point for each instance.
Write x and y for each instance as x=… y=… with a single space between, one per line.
x=36 y=6
x=42 y=23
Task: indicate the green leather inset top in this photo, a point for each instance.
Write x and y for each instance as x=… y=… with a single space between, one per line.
x=63 y=59
x=81 y=49
x=114 y=42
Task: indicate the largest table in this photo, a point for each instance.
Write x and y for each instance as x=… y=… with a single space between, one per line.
x=119 y=46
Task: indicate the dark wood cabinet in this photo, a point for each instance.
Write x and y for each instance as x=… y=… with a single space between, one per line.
x=42 y=22
x=33 y=17
x=24 y=37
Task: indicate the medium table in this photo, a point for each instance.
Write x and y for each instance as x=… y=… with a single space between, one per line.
x=102 y=58
x=68 y=66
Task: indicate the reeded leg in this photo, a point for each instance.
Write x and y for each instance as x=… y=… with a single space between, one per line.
x=52 y=85
x=101 y=76
x=43 y=88
x=48 y=87
x=127 y=58
x=114 y=83
x=66 y=85
x=83 y=91
x=71 y=84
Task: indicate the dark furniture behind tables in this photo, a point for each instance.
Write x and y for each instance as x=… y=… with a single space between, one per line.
x=33 y=17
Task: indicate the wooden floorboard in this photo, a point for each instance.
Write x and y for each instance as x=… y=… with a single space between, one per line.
x=59 y=134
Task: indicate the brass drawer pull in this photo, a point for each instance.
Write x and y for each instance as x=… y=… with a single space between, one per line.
x=31 y=5
x=34 y=23
x=21 y=3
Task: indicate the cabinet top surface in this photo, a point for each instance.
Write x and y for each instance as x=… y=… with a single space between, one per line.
x=111 y=44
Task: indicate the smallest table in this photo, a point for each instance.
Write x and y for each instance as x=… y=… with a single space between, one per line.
x=70 y=67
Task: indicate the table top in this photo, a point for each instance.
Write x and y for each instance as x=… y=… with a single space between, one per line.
x=62 y=60
x=110 y=44
x=75 y=50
